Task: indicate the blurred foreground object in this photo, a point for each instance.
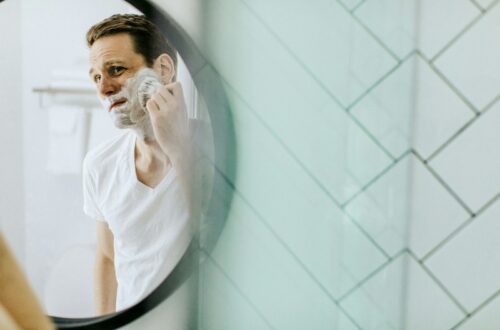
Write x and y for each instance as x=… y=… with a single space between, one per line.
x=19 y=308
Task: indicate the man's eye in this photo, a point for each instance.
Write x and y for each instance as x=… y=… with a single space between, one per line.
x=115 y=70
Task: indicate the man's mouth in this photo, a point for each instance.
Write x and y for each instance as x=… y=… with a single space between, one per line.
x=117 y=104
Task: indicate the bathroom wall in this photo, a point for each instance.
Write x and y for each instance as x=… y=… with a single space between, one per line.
x=307 y=244
x=367 y=184
x=11 y=129
x=455 y=236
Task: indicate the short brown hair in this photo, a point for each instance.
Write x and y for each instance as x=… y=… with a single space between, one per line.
x=147 y=37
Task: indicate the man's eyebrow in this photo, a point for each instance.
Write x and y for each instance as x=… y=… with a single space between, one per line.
x=107 y=63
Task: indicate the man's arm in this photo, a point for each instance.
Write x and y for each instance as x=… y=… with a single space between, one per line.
x=167 y=110
x=104 y=271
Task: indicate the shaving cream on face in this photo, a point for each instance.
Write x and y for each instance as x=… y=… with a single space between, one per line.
x=133 y=113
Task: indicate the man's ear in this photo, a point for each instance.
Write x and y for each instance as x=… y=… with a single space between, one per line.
x=164 y=66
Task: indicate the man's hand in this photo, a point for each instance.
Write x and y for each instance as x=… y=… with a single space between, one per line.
x=167 y=110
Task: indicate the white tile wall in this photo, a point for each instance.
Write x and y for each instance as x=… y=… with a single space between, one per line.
x=351 y=4
x=442 y=20
x=270 y=276
x=470 y=164
x=485 y=3
x=485 y=319
x=308 y=26
x=393 y=21
x=439 y=112
x=383 y=209
x=315 y=129
x=303 y=211
x=384 y=213
x=427 y=305
x=471 y=63
x=228 y=309
x=387 y=110
x=372 y=305
x=322 y=121
x=469 y=265
x=434 y=213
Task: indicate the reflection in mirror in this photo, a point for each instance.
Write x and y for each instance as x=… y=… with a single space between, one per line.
x=111 y=182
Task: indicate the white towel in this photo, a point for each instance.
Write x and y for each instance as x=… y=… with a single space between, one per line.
x=67 y=139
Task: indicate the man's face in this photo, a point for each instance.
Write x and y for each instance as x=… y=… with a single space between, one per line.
x=113 y=60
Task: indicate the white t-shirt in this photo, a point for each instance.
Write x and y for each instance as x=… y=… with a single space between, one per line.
x=151 y=226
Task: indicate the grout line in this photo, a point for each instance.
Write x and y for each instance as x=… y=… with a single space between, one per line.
x=452 y=138
x=370 y=136
x=371 y=33
x=356 y=7
x=355 y=221
x=316 y=79
x=365 y=94
x=371 y=275
x=312 y=75
x=493 y=4
x=367 y=235
x=237 y=288
x=374 y=179
x=281 y=241
x=438 y=282
x=491 y=104
x=478 y=309
x=489 y=203
x=301 y=165
x=443 y=183
x=447 y=239
x=460 y=228
x=376 y=84
x=458 y=36
x=474 y=2
x=282 y=144
x=453 y=87
x=288 y=249
x=291 y=53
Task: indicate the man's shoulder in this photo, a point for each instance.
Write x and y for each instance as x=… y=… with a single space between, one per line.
x=108 y=151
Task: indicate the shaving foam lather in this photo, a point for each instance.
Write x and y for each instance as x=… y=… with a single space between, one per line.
x=148 y=85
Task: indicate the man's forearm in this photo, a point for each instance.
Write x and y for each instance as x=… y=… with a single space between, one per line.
x=104 y=286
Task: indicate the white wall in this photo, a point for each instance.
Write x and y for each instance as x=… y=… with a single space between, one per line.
x=11 y=129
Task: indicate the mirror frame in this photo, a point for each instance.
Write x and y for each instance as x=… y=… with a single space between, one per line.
x=219 y=112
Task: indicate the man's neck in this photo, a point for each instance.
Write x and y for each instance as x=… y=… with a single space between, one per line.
x=149 y=156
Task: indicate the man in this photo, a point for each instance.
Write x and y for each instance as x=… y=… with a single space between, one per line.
x=137 y=186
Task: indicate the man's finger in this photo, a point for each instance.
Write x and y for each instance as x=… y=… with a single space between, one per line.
x=152 y=106
x=176 y=89
x=160 y=100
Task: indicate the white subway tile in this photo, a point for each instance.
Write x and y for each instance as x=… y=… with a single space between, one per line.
x=327 y=40
x=270 y=277
x=442 y=20
x=485 y=319
x=471 y=63
x=468 y=265
x=297 y=209
x=393 y=22
x=439 y=112
x=387 y=110
x=380 y=303
x=434 y=212
x=470 y=165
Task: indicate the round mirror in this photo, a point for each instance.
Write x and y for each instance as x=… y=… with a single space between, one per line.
x=104 y=217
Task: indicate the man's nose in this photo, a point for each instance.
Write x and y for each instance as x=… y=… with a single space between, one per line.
x=108 y=87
